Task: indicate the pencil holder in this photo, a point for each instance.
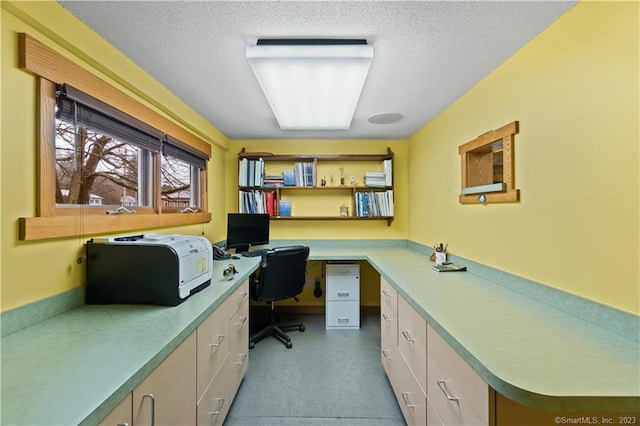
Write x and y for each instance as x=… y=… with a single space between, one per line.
x=441 y=257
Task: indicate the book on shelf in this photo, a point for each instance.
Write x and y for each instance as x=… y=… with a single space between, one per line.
x=285 y=208
x=387 y=165
x=250 y=172
x=449 y=267
x=374 y=204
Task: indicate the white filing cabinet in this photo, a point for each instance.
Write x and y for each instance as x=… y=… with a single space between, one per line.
x=343 y=296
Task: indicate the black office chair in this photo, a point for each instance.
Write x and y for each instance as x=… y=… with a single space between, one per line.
x=282 y=275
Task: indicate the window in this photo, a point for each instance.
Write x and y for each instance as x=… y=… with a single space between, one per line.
x=107 y=165
x=487 y=164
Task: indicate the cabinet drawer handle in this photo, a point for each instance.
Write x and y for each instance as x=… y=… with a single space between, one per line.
x=243 y=357
x=386 y=293
x=153 y=407
x=386 y=317
x=220 y=339
x=220 y=405
x=242 y=296
x=406 y=335
x=443 y=387
x=385 y=353
x=242 y=321
x=343 y=294
x=343 y=319
x=405 y=397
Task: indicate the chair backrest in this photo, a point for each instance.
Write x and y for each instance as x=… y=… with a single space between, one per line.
x=282 y=273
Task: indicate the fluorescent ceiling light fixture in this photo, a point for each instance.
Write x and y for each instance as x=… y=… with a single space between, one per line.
x=311 y=84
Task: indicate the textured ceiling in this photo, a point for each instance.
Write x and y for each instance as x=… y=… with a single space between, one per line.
x=426 y=54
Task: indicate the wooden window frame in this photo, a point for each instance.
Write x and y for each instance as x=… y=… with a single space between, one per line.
x=54 y=221
x=477 y=167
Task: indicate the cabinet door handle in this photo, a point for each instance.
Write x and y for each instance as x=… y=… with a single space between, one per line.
x=220 y=339
x=385 y=353
x=407 y=402
x=386 y=293
x=220 y=405
x=386 y=317
x=406 y=335
x=242 y=321
x=343 y=319
x=153 y=407
x=241 y=297
x=443 y=387
x=343 y=293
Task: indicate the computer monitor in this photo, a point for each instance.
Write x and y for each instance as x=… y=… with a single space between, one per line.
x=247 y=229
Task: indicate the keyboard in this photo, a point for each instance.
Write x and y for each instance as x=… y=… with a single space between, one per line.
x=255 y=253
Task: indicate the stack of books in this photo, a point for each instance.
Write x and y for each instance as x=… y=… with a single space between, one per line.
x=305 y=174
x=273 y=180
x=375 y=179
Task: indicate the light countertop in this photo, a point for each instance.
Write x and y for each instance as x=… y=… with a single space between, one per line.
x=75 y=367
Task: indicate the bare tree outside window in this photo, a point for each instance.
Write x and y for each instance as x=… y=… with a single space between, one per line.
x=94 y=169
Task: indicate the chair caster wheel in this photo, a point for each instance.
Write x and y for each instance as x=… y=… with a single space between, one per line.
x=252 y=345
x=301 y=328
x=289 y=345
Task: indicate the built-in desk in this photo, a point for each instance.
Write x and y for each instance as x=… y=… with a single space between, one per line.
x=76 y=367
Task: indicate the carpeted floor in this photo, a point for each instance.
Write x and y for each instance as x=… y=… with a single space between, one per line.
x=329 y=377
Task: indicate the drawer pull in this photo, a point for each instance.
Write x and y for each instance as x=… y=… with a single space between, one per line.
x=406 y=335
x=445 y=391
x=220 y=405
x=385 y=353
x=242 y=321
x=386 y=317
x=343 y=294
x=220 y=339
x=405 y=397
x=243 y=357
x=386 y=293
x=241 y=297
x=343 y=319
x=153 y=407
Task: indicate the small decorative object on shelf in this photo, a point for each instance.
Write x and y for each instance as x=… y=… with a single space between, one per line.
x=341 y=175
x=323 y=181
x=353 y=180
x=344 y=210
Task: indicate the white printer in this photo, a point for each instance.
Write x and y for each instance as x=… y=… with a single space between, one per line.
x=147 y=268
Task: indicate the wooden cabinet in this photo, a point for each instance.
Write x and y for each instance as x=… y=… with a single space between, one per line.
x=119 y=416
x=343 y=296
x=239 y=335
x=167 y=396
x=197 y=382
x=320 y=186
x=456 y=392
x=223 y=356
x=403 y=335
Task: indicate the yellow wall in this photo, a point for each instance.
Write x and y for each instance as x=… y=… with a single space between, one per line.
x=574 y=89
x=324 y=230
x=31 y=271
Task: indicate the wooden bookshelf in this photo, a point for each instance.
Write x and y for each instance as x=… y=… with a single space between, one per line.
x=312 y=193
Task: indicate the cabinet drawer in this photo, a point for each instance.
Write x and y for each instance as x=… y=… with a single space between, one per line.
x=412 y=340
x=213 y=346
x=239 y=355
x=338 y=269
x=388 y=328
x=214 y=405
x=411 y=399
x=343 y=288
x=343 y=314
x=388 y=295
x=458 y=394
x=239 y=297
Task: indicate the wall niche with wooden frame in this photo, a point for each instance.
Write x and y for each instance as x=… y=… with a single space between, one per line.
x=487 y=165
